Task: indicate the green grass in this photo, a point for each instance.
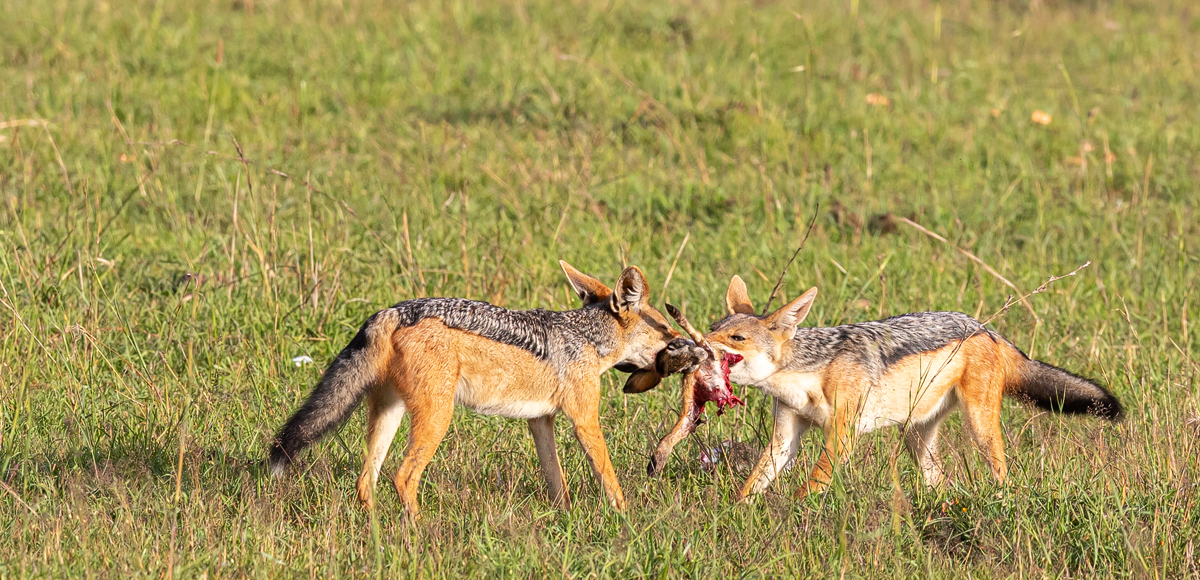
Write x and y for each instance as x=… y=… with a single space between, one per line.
x=156 y=287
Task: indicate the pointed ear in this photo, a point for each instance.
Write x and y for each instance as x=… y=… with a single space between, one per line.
x=631 y=291
x=737 y=300
x=641 y=382
x=589 y=289
x=785 y=320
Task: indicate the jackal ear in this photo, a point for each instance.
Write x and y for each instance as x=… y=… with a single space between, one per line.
x=641 y=381
x=631 y=291
x=785 y=320
x=589 y=289
x=737 y=300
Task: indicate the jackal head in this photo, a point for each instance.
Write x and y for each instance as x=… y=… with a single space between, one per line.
x=642 y=333
x=758 y=339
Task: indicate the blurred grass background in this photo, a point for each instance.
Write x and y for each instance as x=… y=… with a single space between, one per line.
x=196 y=192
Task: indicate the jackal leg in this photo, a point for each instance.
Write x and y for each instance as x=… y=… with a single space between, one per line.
x=591 y=438
x=839 y=442
x=585 y=413
x=542 y=429
x=384 y=412
x=427 y=384
x=981 y=392
x=785 y=440
x=921 y=439
x=428 y=429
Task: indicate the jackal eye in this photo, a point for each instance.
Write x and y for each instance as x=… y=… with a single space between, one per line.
x=737 y=338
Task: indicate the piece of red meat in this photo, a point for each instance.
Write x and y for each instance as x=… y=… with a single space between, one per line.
x=708 y=383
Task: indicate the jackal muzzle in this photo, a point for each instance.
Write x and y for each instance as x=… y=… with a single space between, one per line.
x=680 y=356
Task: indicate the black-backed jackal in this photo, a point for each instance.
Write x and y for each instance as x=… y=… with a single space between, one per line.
x=425 y=356
x=908 y=371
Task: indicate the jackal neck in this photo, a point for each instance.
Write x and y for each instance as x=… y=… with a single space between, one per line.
x=811 y=348
x=593 y=325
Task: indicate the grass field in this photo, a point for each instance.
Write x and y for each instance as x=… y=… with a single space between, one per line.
x=194 y=193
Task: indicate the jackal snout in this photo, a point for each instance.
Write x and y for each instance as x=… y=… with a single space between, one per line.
x=682 y=355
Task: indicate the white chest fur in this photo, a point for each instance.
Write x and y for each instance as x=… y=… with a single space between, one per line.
x=800 y=391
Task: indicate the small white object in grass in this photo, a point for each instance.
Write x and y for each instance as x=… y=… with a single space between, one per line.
x=798 y=68
x=712 y=456
x=302 y=360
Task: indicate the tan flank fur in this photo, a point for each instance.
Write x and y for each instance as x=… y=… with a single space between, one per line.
x=425 y=357
x=908 y=371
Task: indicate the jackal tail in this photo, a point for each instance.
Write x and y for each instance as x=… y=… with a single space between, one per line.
x=355 y=370
x=1054 y=389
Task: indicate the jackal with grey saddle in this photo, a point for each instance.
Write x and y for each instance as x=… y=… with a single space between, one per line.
x=907 y=371
x=422 y=357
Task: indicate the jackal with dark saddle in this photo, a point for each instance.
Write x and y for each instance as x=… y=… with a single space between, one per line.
x=422 y=357
x=907 y=371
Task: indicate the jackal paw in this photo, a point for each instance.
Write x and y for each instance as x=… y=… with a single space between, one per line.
x=809 y=489
x=744 y=497
x=365 y=495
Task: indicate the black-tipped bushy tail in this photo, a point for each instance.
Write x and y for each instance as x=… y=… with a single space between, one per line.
x=1051 y=388
x=342 y=387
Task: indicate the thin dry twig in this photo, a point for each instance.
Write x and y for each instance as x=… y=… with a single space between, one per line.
x=17 y=497
x=286 y=176
x=245 y=164
x=23 y=123
x=977 y=260
x=812 y=222
x=671 y=272
x=45 y=125
x=1009 y=302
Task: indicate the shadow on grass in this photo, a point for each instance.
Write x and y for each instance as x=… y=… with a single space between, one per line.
x=146 y=464
x=1082 y=530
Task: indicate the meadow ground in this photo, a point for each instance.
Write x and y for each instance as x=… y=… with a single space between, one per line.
x=194 y=193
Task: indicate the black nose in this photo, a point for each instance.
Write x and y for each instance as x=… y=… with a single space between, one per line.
x=680 y=355
x=680 y=345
